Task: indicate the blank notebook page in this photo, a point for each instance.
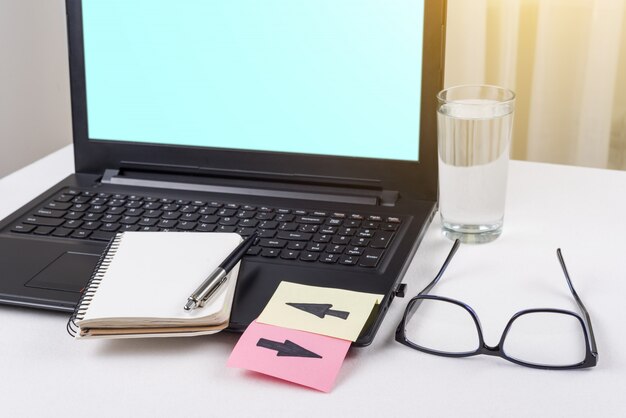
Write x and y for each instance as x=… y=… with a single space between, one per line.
x=152 y=274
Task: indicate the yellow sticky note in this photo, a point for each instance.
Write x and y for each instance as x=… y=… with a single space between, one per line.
x=322 y=310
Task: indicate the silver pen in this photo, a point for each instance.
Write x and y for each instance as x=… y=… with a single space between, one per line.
x=217 y=278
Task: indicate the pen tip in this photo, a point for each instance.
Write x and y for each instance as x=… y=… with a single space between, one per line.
x=190 y=304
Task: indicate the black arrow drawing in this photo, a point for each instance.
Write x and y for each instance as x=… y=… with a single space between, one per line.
x=286 y=349
x=320 y=309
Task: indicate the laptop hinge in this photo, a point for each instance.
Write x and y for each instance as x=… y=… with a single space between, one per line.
x=327 y=194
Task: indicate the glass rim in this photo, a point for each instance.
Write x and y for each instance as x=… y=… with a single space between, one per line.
x=511 y=94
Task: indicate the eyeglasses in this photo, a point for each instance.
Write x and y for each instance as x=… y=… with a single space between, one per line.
x=540 y=338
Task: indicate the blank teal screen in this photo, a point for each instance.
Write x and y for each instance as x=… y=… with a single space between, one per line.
x=330 y=77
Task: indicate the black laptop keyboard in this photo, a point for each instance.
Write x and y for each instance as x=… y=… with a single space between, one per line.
x=351 y=239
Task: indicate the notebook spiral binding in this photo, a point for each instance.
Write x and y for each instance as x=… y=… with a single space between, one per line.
x=96 y=278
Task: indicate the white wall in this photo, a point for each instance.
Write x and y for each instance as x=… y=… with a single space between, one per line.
x=35 y=116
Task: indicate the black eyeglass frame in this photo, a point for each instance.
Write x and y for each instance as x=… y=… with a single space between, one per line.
x=591 y=352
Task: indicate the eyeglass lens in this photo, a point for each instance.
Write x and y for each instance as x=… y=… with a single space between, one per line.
x=539 y=338
x=546 y=338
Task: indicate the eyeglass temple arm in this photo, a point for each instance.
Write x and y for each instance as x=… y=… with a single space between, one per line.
x=432 y=284
x=578 y=301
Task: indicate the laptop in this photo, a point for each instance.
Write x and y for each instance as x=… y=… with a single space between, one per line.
x=312 y=123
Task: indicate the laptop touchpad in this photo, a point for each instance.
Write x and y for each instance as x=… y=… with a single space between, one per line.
x=69 y=272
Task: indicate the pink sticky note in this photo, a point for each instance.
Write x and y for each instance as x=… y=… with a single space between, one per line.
x=308 y=359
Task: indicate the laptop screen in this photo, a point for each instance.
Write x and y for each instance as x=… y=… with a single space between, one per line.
x=325 y=77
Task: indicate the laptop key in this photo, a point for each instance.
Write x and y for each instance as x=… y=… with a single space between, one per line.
x=189 y=217
x=226 y=228
x=272 y=243
x=370 y=258
x=226 y=212
x=185 y=226
x=335 y=249
x=111 y=218
x=116 y=211
x=116 y=203
x=174 y=215
x=268 y=225
x=315 y=247
x=248 y=223
x=308 y=228
x=288 y=226
x=360 y=242
x=148 y=221
x=99 y=201
x=80 y=234
x=133 y=212
x=389 y=227
x=188 y=209
x=101 y=236
x=23 y=229
x=329 y=258
x=64 y=198
x=43 y=230
x=270 y=252
x=134 y=204
x=81 y=199
x=36 y=220
x=266 y=233
x=283 y=217
x=309 y=220
x=91 y=225
x=91 y=217
x=322 y=238
x=152 y=206
x=110 y=227
x=50 y=213
x=381 y=239
x=152 y=213
x=97 y=209
x=348 y=260
x=246 y=214
x=289 y=254
x=354 y=250
x=229 y=221
x=129 y=228
x=244 y=232
x=62 y=232
x=253 y=251
x=73 y=224
x=59 y=205
x=309 y=256
x=294 y=236
x=149 y=229
x=74 y=215
x=341 y=240
x=202 y=227
x=297 y=245
x=165 y=223
x=205 y=211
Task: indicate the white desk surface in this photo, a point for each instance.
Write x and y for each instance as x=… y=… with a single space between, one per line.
x=44 y=372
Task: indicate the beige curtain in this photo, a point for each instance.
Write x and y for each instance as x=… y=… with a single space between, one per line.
x=565 y=59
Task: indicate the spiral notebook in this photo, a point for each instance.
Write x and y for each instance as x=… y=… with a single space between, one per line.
x=143 y=280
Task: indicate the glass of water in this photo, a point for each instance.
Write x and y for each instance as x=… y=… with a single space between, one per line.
x=474 y=136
